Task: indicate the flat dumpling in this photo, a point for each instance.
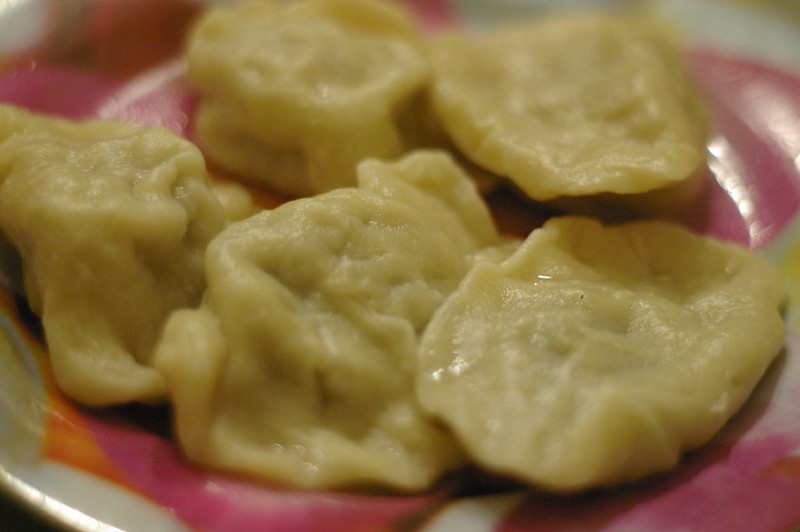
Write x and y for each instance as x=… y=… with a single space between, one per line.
x=572 y=105
x=597 y=354
x=295 y=95
x=299 y=366
x=111 y=221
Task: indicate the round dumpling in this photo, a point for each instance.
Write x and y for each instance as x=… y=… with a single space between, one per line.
x=299 y=366
x=111 y=221
x=572 y=105
x=597 y=354
x=295 y=95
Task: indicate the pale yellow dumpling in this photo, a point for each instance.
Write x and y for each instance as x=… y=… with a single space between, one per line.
x=111 y=221
x=295 y=94
x=598 y=354
x=572 y=105
x=299 y=365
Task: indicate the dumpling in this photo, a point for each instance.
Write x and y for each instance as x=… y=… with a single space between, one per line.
x=572 y=105
x=299 y=366
x=597 y=354
x=111 y=221
x=236 y=200
x=295 y=95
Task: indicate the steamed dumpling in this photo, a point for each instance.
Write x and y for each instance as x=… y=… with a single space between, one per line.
x=572 y=105
x=299 y=365
x=295 y=95
x=597 y=354
x=111 y=221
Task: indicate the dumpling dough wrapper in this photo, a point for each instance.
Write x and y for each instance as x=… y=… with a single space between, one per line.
x=299 y=366
x=573 y=105
x=597 y=354
x=295 y=95
x=111 y=221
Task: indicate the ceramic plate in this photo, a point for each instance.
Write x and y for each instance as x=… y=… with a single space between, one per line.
x=120 y=467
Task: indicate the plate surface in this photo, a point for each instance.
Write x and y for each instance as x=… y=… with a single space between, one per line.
x=119 y=467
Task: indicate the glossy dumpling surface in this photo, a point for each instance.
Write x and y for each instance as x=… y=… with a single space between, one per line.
x=572 y=105
x=111 y=221
x=299 y=366
x=597 y=354
x=295 y=94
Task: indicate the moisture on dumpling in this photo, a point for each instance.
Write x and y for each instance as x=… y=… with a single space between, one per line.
x=295 y=94
x=597 y=354
x=111 y=221
x=236 y=200
x=299 y=365
x=572 y=105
